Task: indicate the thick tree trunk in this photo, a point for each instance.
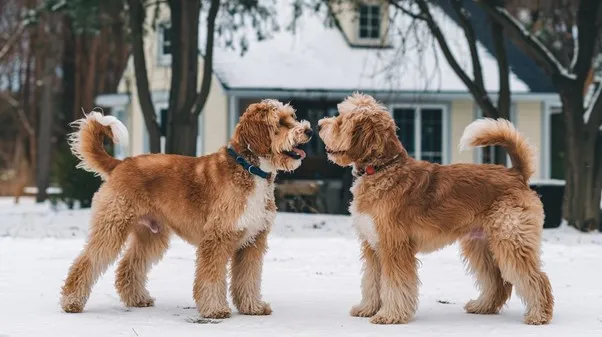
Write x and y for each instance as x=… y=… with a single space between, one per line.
x=144 y=96
x=185 y=139
x=45 y=129
x=184 y=77
x=596 y=206
x=582 y=199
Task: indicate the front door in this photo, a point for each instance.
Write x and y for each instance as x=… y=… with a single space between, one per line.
x=557 y=141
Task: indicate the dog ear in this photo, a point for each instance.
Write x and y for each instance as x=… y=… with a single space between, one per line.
x=373 y=138
x=364 y=139
x=255 y=127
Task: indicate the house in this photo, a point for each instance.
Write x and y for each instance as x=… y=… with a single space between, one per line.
x=321 y=62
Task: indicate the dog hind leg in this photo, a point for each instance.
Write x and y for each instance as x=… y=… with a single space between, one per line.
x=494 y=290
x=515 y=239
x=109 y=229
x=145 y=248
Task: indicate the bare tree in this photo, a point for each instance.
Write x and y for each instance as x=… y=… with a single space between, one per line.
x=584 y=159
x=420 y=10
x=137 y=17
x=185 y=102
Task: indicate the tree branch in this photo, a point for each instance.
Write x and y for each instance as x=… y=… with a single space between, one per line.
x=12 y=41
x=586 y=38
x=503 y=102
x=472 y=42
x=140 y=72
x=523 y=38
x=202 y=96
x=406 y=11
x=479 y=93
x=20 y=114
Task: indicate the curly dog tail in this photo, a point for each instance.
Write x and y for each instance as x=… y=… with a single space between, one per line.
x=87 y=142
x=488 y=132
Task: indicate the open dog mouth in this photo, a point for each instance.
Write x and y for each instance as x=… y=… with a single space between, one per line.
x=296 y=153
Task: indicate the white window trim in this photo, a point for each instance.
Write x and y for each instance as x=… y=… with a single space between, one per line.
x=478 y=154
x=122 y=150
x=162 y=59
x=158 y=107
x=445 y=126
x=546 y=135
x=359 y=26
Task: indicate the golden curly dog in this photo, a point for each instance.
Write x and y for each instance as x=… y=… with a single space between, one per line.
x=403 y=206
x=219 y=203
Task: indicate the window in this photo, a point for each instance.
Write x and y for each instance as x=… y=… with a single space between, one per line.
x=164 y=46
x=421 y=130
x=163 y=121
x=486 y=155
x=120 y=150
x=369 y=21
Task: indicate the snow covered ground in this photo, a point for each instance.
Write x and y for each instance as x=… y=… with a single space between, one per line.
x=311 y=278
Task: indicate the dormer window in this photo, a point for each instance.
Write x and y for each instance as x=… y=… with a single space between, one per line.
x=369 y=22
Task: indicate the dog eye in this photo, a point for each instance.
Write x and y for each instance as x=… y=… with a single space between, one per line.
x=285 y=123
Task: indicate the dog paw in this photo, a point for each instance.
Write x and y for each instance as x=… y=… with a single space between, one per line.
x=537 y=319
x=480 y=308
x=143 y=303
x=216 y=313
x=72 y=305
x=72 y=308
x=141 y=300
x=384 y=318
x=361 y=310
x=258 y=308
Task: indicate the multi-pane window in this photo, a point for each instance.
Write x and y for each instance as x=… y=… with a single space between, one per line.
x=486 y=155
x=369 y=21
x=162 y=120
x=165 y=39
x=120 y=150
x=421 y=131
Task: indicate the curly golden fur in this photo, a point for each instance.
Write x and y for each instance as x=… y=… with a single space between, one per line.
x=408 y=206
x=212 y=202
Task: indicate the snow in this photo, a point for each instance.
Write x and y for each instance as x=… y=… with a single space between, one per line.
x=317 y=57
x=311 y=278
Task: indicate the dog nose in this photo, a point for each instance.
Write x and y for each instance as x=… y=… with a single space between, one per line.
x=309 y=132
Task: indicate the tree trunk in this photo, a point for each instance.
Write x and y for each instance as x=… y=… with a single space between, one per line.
x=45 y=128
x=582 y=199
x=596 y=206
x=185 y=139
x=143 y=88
x=184 y=77
x=503 y=102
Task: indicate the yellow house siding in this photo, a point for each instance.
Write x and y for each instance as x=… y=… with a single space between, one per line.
x=529 y=122
x=215 y=124
x=462 y=114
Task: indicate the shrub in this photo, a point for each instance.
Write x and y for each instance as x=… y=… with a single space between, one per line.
x=78 y=186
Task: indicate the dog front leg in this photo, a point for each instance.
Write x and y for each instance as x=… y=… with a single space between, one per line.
x=399 y=279
x=245 y=285
x=370 y=303
x=210 y=290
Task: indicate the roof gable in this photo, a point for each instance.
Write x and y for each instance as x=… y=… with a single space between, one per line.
x=317 y=57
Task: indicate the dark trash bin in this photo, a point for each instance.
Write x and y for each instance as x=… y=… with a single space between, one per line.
x=551 y=193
